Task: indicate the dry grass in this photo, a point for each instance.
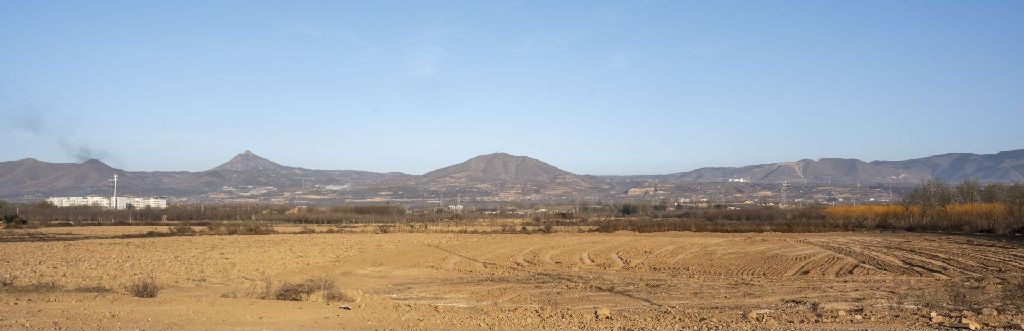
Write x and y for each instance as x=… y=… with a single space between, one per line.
x=303 y=290
x=143 y=288
x=337 y=297
x=31 y=288
x=312 y=289
x=9 y=285
x=962 y=217
x=90 y=289
x=243 y=228
x=182 y=230
x=870 y=212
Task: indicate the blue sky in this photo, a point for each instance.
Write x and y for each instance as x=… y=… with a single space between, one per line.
x=595 y=87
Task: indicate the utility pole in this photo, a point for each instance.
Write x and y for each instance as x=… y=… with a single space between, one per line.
x=783 y=193
x=577 y=204
x=115 y=191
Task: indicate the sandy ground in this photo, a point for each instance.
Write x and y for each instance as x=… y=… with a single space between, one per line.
x=555 y=281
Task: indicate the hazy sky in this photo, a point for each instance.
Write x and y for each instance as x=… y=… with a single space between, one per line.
x=631 y=87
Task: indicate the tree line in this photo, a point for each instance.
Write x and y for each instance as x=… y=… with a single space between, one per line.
x=937 y=206
x=933 y=206
x=46 y=214
x=969 y=207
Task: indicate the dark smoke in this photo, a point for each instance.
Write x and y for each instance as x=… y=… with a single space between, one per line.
x=33 y=119
x=28 y=119
x=82 y=152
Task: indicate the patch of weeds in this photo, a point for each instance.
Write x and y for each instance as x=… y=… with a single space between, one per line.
x=91 y=289
x=291 y=292
x=260 y=292
x=40 y=287
x=8 y=285
x=306 y=290
x=337 y=297
x=143 y=288
x=182 y=230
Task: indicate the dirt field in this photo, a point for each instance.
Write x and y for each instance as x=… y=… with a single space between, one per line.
x=554 y=281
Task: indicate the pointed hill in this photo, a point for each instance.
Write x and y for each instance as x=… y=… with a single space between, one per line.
x=247 y=161
x=249 y=169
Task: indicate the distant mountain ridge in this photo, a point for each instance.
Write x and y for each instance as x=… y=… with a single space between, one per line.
x=842 y=171
x=1005 y=166
x=31 y=177
x=501 y=166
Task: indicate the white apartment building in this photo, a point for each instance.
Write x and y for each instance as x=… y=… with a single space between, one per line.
x=79 y=201
x=105 y=202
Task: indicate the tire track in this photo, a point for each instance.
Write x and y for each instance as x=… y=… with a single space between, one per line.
x=885 y=265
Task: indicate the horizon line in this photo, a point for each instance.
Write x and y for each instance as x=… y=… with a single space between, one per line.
x=249 y=151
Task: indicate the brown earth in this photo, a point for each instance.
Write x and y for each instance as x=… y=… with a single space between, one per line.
x=554 y=281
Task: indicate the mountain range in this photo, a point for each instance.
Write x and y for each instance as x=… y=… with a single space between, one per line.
x=1007 y=166
x=484 y=174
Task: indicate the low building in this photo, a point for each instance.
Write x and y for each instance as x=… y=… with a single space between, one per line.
x=79 y=201
x=105 y=202
x=141 y=203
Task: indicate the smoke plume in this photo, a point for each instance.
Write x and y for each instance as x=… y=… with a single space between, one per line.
x=35 y=120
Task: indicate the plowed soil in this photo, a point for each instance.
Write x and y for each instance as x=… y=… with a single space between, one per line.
x=538 y=281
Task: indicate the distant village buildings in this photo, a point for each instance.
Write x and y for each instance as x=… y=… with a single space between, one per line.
x=107 y=202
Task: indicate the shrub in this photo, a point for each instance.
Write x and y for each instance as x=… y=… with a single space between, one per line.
x=143 y=288
x=629 y=209
x=291 y=292
x=302 y=291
